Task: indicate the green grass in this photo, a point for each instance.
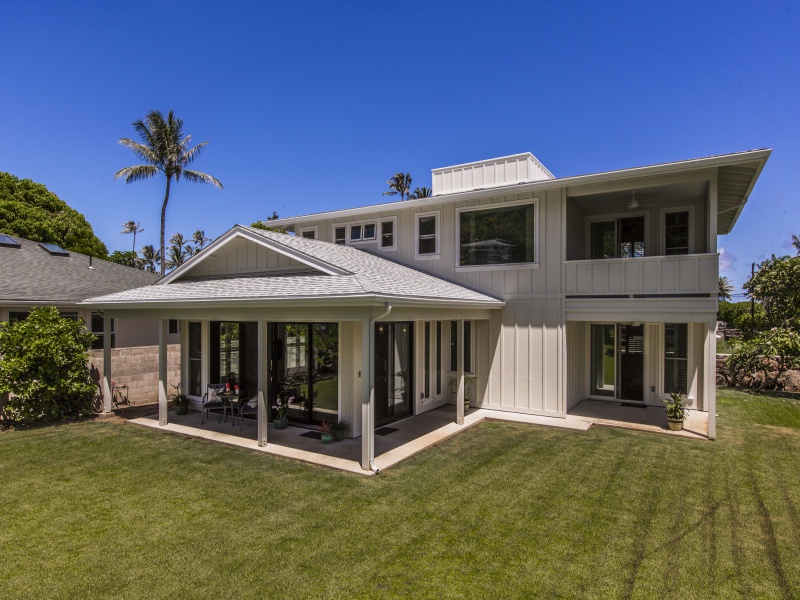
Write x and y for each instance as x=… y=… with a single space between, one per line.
x=106 y=510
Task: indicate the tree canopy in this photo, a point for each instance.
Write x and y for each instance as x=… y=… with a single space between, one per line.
x=29 y=210
x=165 y=150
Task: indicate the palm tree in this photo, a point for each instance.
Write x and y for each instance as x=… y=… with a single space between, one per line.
x=175 y=257
x=200 y=240
x=151 y=259
x=796 y=244
x=399 y=184
x=165 y=150
x=421 y=192
x=725 y=289
x=132 y=227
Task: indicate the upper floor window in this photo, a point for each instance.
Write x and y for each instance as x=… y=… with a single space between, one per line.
x=365 y=232
x=618 y=238
x=496 y=236
x=310 y=233
x=387 y=234
x=174 y=326
x=676 y=233
x=427 y=235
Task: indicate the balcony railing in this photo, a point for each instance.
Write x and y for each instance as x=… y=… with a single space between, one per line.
x=684 y=274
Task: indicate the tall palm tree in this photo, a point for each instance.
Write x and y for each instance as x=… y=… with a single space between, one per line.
x=796 y=243
x=165 y=150
x=725 y=289
x=399 y=184
x=132 y=227
x=151 y=259
x=421 y=192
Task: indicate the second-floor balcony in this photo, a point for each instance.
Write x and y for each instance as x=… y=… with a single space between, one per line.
x=682 y=274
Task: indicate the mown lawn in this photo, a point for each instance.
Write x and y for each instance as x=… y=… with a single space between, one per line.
x=503 y=510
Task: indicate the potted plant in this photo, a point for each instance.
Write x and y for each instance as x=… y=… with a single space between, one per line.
x=468 y=381
x=340 y=430
x=676 y=410
x=180 y=401
x=327 y=432
x=281 y=407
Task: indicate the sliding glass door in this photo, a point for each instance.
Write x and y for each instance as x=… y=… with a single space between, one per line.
x=305 y=362
x=617 y=361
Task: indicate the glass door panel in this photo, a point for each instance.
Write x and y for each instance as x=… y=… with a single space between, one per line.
x=604 y=240
x=393 y=371
x=631 y=237
x=325 y=372
x=630 y=363
x=603 y=360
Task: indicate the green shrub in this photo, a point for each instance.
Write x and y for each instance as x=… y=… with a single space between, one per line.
x=44 y=366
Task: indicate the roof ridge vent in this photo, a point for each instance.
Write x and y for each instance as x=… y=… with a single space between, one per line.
x=491 y=173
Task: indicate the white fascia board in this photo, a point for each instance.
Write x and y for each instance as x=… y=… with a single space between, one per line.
x=592 y=178
x=237 y=232
x=295 y=301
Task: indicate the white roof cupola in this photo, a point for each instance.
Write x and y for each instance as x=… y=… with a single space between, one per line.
x=491 y=173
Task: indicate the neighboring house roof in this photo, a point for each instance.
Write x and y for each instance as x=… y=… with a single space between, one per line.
x=737 y=174
x=32 y=274
x=341 y=272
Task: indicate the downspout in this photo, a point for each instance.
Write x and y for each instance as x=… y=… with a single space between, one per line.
x=371 y=372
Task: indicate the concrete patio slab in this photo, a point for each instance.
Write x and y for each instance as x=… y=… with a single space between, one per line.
x=651 y=418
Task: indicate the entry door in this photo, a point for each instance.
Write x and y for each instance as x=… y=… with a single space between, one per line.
x=393 y=371
x=630 y=362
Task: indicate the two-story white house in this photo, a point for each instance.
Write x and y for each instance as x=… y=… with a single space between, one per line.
x=526 y=292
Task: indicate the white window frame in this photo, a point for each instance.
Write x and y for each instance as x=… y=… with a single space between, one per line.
x=333 y=233
x=663 y=229
x=393 y=221
x=438 y=235
x=690 y=366
x=506 y=266
x=361 y=225
x=307 y=229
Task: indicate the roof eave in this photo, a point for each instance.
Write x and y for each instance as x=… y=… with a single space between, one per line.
x=574 y=180
x=294 y=302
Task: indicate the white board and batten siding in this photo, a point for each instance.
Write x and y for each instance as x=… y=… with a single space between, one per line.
x=243 y=256
x=485 y=174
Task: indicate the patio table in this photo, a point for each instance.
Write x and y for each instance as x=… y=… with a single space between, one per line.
x=228 y=400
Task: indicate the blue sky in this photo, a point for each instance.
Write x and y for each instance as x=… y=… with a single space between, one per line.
x=313 y=106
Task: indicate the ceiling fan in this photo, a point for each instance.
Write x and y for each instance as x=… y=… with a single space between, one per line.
x=634 y=203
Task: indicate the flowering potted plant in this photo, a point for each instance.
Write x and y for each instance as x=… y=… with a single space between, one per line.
x=327 y=432
x=281 y=408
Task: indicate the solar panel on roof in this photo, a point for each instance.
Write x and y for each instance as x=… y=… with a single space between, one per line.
x=8 y=242
x=54 y=249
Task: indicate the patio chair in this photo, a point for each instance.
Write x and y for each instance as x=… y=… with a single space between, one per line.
x=212 y=402
x=249 y=407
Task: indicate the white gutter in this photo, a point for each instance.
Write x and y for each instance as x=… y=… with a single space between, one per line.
x=371 y=371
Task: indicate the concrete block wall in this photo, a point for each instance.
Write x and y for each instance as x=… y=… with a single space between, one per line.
x=137 y=367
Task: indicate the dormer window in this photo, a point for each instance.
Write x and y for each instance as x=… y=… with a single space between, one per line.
x=363 y=232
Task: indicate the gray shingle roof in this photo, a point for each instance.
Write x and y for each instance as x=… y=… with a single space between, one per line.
x=367 y=275
x=31 y=274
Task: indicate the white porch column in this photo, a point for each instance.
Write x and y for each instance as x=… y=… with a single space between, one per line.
x=367 y=377
x=710 y=383
x=163 y=333
x=262 y=383
x=460 y=373
x=106 y=364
